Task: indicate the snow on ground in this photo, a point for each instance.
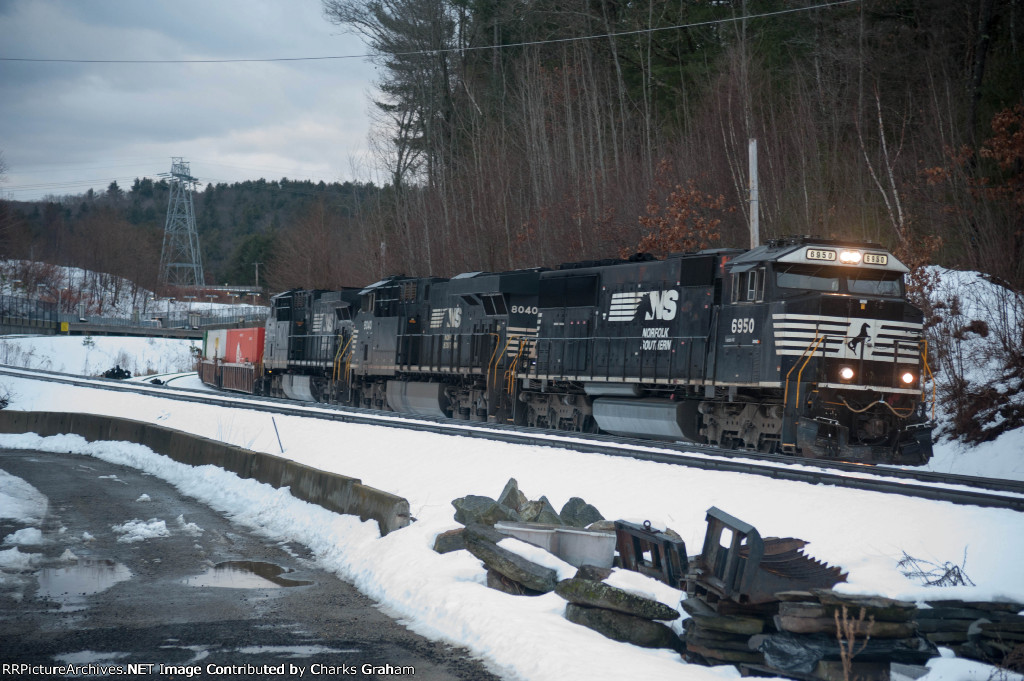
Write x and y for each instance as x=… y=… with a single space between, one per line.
x=445 y=597
x=92 y=355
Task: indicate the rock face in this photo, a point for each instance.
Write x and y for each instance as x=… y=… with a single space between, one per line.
x=578 y=513
x=500 y=582
x=482 y=542
x=540 y=511
x=600 y=595
x=622 y=627
x=986 y=631
x=475 y=509
x=511 y=497
x=449 y=541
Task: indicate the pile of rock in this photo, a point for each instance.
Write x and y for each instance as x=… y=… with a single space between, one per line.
x=507 y=571
x=616 y=613
x=810 y=626
x=513 y=506
x=715 y=638
x=985 y=631
x=609 y=610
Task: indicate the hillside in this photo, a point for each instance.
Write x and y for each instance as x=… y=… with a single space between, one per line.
x=238 y=224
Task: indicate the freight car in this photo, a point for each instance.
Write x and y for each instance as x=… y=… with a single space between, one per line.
x=803 y=346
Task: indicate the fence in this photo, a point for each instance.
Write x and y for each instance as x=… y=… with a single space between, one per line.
x=19 y=313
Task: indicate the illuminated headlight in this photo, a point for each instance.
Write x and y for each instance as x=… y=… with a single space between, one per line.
x=850 y=257
x=907 y=378
x=846 y=373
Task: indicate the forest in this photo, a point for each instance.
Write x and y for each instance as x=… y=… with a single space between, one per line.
x=527 y=134
x=530 y=134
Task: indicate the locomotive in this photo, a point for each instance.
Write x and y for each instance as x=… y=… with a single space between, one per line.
x=801 y=346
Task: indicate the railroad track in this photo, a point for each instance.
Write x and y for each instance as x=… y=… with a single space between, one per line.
x=958 y=489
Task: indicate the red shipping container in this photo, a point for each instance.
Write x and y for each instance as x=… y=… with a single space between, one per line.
x=245 y=346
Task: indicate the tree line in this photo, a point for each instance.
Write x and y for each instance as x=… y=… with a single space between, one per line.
x=528 y=134
x=897 y=121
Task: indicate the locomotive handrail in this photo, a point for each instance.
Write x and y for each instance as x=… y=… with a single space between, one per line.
x=813 y=347
x=491 y=361
x=931 y=376
x=510 y=375
x=338 y=355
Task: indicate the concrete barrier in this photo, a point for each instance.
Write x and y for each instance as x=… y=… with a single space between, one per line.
x=334 y=492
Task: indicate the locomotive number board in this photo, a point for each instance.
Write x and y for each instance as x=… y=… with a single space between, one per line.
x=820 y=254
x=876 y=259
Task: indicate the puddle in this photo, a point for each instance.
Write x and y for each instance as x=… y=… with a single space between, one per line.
x=71 y=584
x=245 y=574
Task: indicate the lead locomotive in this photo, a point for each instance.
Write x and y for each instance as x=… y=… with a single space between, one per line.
x=802 y=346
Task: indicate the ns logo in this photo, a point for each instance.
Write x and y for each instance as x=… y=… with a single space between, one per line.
x=657 y=305
x=446 y=317
x=644 y=307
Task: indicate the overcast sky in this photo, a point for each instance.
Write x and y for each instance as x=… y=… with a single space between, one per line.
x=68 y=127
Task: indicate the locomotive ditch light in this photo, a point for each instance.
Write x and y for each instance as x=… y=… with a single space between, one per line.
x=846 y=373
x=907 y=378
x=850 y=257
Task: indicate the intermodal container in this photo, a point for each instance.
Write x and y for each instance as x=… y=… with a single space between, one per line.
x=245 y=346
x=215 y=343
x=208 y=373
x=240 y=377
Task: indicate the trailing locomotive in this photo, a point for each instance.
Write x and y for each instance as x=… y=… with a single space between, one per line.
x=802 y=346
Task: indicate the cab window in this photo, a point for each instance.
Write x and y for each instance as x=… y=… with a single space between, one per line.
x=748 y=286
x=808 y=278
x=875 y=283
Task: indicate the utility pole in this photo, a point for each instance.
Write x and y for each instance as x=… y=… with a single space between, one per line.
x=257 y=264
x=755 y=225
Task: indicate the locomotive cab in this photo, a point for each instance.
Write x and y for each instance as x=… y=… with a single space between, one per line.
x=824 y=329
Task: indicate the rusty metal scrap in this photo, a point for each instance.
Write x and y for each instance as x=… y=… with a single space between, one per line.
x=749 y=569
x=651 y=552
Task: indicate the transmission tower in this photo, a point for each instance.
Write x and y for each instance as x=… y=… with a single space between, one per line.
x=180 y=261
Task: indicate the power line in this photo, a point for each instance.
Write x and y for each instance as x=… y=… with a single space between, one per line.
x=550 y=41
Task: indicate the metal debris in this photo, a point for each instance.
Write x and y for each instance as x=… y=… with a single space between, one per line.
x=738 y=565
x=651 y=552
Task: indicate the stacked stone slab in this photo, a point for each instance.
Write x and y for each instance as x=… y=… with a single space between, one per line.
x=714 y=637
x=985 y=631
x=616 y=613
x=507 y=571
x=804 y=641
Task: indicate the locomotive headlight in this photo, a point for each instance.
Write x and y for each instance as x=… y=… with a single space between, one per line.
x=907 y=378
x=846 y=373
x=850 y=257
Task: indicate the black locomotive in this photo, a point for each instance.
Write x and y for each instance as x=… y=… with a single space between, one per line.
x=803 y=346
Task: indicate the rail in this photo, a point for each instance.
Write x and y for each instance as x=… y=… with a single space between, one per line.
x=967 y=490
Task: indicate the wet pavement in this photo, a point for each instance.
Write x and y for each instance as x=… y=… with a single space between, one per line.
x=132 y=577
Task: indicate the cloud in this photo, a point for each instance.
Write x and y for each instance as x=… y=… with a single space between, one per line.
x=68 y=124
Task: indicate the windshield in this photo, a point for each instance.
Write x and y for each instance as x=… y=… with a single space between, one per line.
x=876 y=283
x=810 y=278
x=824 y=278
